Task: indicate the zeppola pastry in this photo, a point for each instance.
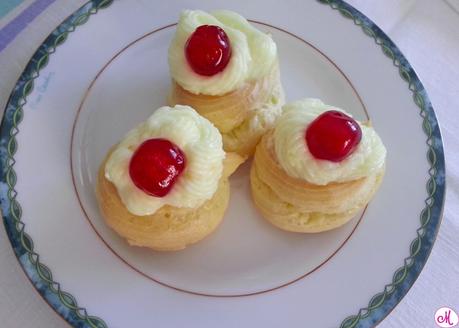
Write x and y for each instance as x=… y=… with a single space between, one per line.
x=317 y=168
x=165 y=185
x=228 y=71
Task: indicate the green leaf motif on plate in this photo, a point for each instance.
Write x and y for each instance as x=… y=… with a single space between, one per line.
x=42 y=62
x=11 y=179
x=416 y=245
x=28 y=87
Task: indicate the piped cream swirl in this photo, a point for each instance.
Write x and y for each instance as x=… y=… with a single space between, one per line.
x=253 y=53
x=295 y=158
x=197 y=138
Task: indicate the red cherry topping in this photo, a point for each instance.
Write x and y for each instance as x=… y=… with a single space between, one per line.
x=208 y=50
x=156 y=165
x=333 y=136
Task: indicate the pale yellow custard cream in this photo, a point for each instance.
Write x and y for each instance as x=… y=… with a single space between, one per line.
x=294 y=157
x=253 y=53
x=195 y=136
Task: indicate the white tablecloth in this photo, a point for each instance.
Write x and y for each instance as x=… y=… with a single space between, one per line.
x=426 y=31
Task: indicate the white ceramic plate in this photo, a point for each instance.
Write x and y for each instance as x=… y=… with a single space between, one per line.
x=83 y=91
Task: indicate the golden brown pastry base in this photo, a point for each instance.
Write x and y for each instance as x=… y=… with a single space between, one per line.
x=295 y=205
x=170 y=228
x=230 y=111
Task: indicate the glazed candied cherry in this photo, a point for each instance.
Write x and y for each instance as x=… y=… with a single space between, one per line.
x=156 y=165
x=333 y=136
x=208 y=50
